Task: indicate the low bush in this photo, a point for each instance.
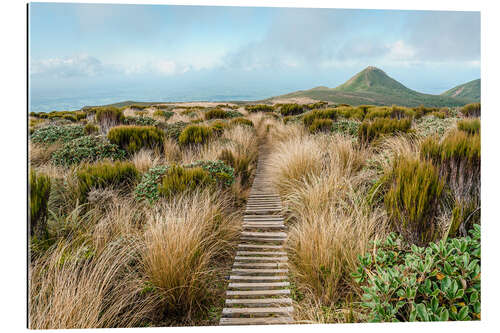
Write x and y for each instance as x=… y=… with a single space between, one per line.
x=133 y=138
x=369 y=131
x=242 y=121
x=216 y=114
x=195 y=134
x=378 y=112
x=317 y=105
x=321 y=125
x=471 y=110
x=139 y=106
x=218 y=126
x=412 y=198
x=86 y=149
x=291 y=109
x=472 y=126
x=178 y=179
x=162 y=113
x=239 y=162
x=91 y=129
x=141 y=121
x=440 y=282
x=438 y=114
x=56 y=133
x=259 y=108
x=109 y=114
x=346 y=127
x=351 y=113
x=39 y=188
x=421 y=111
x=399 y=112
x=103 y=174
x=147 y=189
x=174 y=130
x=221 y=172
x=309 y=117
x=70 y=117
x=458 y=158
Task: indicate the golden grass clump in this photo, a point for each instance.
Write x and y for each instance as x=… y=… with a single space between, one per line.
x=469 y=126
x=39 y=187
x=471 y=110
x=369 y=131
x=181 y=241
x=178 y=179
x=133 y=138
x=195 y=134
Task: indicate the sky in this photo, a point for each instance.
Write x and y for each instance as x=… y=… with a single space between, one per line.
x=90 y=54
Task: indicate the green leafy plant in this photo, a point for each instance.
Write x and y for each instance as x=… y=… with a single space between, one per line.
x=141 y=121
x=471 y=126
x=133 y=138
x=104 y=174
x=39 y=188
x=147 y=189
x=86 y=149
x=56 y=133
x=346 y=127
x=162 y=113
x=91 y=129
x=174 y=130
x=439 y=282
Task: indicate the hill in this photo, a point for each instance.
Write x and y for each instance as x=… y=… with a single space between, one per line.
x=373 y=86
x=470 y=90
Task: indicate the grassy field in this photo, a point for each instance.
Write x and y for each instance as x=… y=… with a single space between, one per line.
x=136 y=211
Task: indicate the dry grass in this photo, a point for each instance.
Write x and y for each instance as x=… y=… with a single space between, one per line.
x=41 y=153
x=181 y=239
x=145 y=159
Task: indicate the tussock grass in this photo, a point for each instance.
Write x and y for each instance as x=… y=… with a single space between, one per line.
x=195 y=134
x=309 y=117
x=145 y=159
x=369 y=131
x=471 y=126
x=39 y=187
x=181 y=241
x=178 y=180
x=108 y=117
x=321 y=125
x=471 y=110
x=291 y=109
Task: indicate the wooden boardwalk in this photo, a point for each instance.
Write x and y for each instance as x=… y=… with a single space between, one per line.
x=258 y=292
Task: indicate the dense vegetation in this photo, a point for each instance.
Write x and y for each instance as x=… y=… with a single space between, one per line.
x=136 y=225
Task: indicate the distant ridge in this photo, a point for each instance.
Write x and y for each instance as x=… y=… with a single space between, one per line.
x=373 y=86
x=470 y=90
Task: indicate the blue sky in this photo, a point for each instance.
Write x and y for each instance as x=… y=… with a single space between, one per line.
x=89 y=53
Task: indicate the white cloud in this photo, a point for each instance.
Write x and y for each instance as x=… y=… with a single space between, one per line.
x=79 y=65
x=400 y=51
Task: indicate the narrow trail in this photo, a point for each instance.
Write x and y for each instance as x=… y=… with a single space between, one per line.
x=258 y=290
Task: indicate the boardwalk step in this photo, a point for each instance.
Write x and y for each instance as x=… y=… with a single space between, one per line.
x=252 y=285
x=268 y=292
x=247 y=258
x=263 y=234
x=257 y=311
x=258 y=301
x=257 y=278
x=255 y=253
x=249 y=271
x=260 y=264
x=256 y=321
x=257 y=246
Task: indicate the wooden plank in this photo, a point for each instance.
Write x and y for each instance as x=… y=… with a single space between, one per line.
x=254 y=285
x=257 y=311
x=256 y=246
x=258 y=301
x=257 y=278
x=263 y=234
x=258 y=292
x=254 y=253
x=246 y=258
x=260 y=264
x=248 y=271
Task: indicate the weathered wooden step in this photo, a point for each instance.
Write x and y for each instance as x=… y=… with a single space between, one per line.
x=260 y=264
x=257 y=246
x=258 y=292
x=250 y=271
x=263 y=234
x=258 y=301
x=262 y=240
x=247 y=258
x=257 y=311
x=257 y=278
x=257 y=285
x=256 y=253
x=256 y=321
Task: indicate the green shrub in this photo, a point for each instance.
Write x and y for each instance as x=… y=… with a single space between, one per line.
x=162 y=113
x=369 y=131
x=471 y=110
x=242 y=164
x=221 y=172
x=317 y=105
x=139 y=106
x=346 y=127
x=259 y=108
x=378 y=112
x=471 y=126
x=141 y=121
x=458 y=158
x=56 y=133
x=133 y=138
x=147 y=189
x=291 y=109
x=438 y=114
x=309 y=117
x=351 y=113
x=412 y=199
x=91 y=129
x=174 y=130
x=104 y=174
x=421 y=111
x=39 y=187
x=70 y=117
x=178 y=179
x=109 y=116
x=221 y=114
x=86 y=149
x=195 y=134
x=242 y=121
x=440 y=282
x=218 y=126
x=321 y=125
x=399 y=112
